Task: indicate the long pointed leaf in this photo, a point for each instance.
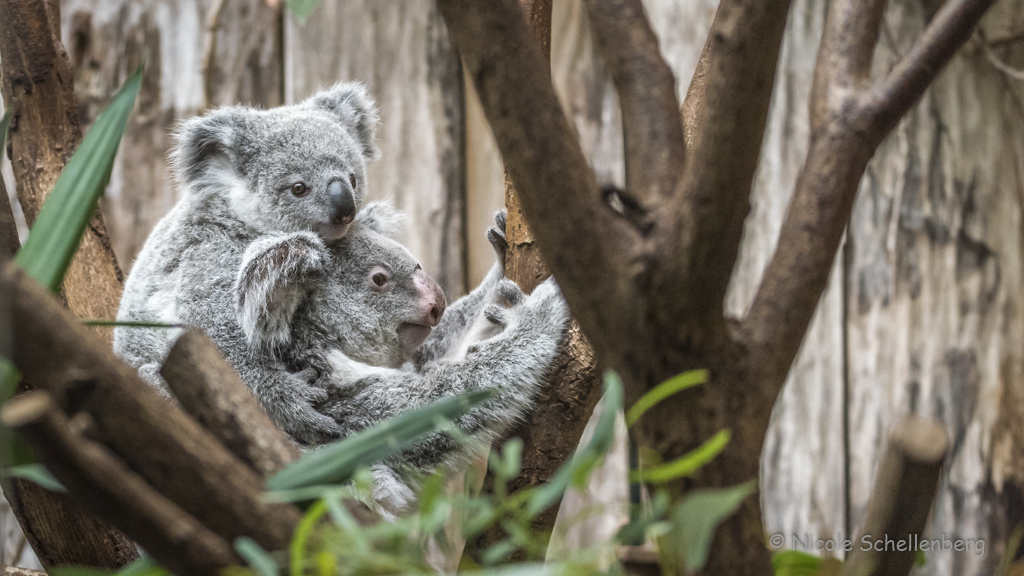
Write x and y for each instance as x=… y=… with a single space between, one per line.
x=673 y=385
x=66 y=212
x=337 y=462
x=686 y=464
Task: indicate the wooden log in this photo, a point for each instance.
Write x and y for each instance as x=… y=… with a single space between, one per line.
x=159 y=442
x=104 y=485
x=902 y=498
x=211 y=392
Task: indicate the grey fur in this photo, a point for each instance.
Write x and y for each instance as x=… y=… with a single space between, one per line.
x=345 y=330
x=236 y=166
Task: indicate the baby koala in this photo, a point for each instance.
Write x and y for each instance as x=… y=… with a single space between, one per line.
x=363 y=329
x=246 y=173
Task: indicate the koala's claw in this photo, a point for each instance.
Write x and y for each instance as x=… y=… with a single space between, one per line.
x=496 y=315
x=510 y=291
x=496 y=235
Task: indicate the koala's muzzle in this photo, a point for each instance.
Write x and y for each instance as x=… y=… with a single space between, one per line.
x=343 y=203
x=429 y=308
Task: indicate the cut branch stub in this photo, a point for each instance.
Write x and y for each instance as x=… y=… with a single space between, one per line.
x=103 y=484
x=158 y=441
x=901 y=499
x=209 y=390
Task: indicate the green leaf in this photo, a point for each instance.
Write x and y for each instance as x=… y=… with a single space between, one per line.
x=667 y=388
x=796 y=563
x=685 y=465
x=257 y=558
x=66 y=212
x=696 y=517
x=337 y=462
x=584 y=460
x=36 y=473
x=508 y=464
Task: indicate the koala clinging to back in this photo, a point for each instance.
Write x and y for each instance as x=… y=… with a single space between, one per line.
x=246 y=173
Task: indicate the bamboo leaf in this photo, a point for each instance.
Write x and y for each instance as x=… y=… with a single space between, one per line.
x=337 y=462
x=673 y=385
x=66 y=212
x=685 y=465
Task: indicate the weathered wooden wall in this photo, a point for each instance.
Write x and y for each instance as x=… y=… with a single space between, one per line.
x=924 y=311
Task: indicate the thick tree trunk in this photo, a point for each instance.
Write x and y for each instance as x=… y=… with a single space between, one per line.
x=38 y=89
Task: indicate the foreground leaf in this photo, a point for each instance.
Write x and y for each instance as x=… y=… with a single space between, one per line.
x=66 y=212
x=695 y=519
x=685 y=465
x=36 y=473
x=337 y=462
x=667 y=388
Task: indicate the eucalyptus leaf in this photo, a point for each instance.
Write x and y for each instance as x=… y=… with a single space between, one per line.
x=130 y=324
x=36 y=473
x=258 y=558
x=796 y=563
x=667 y=388
x=695 y=518
x=686 y=464
x=66 y=212
x=337 y=462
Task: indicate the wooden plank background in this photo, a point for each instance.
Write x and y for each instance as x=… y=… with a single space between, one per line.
x=924 y=311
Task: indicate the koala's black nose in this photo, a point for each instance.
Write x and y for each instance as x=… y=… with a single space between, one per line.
x=343 y=202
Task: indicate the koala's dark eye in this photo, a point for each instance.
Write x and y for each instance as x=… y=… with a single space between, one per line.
x=380 y=279
x=352 y=180
x=299 y=189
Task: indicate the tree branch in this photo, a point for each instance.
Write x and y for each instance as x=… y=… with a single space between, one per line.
x=651 y=123
x=707 y=228
x=98 y=480
x=951 y=26
x=902 y=497
x=592 y=251
x=159 y=442
x=210 y=391
x=855 y=121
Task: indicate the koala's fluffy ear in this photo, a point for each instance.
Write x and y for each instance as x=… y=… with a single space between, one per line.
x=383 y=218
x=276 y=274
x=205 y=143
x=352 y=106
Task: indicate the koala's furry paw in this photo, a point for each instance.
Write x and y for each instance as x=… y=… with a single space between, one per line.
x=496 y=236
x=297 y=414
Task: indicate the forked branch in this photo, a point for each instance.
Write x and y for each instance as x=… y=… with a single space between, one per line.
x=651 y=124
x=850 y=118
x=705 y=231
x=591 y=250
x=100 y=482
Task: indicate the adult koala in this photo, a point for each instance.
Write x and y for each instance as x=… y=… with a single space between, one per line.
x=363 y=328
x=246 y=173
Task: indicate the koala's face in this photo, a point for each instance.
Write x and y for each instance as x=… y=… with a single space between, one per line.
x=377 y=303
x=288 y=169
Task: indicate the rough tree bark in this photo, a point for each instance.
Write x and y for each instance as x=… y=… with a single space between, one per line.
x=552 y=431
x=37 y=88
x=648 y=290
